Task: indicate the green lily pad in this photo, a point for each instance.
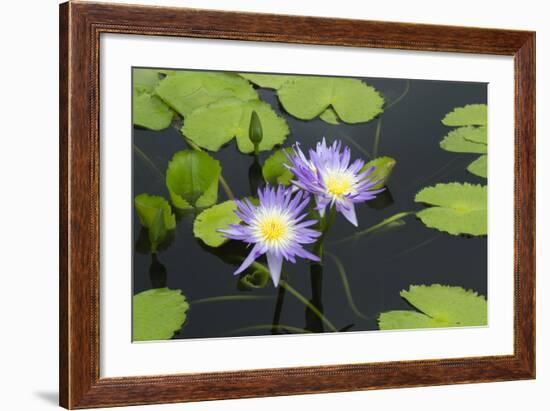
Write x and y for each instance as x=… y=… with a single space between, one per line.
x=273 y=81
x=352 y=100
x=439 y=306
x=402 y=320
x=157 y=314
x=466 y=140
x=475 y=134
x=185 y=91
x=457 y=208
x=329 y=116
x=470 y=137
x=469 y=115
x=454 y=305
x=145 y=79
x=155 y=214
x=149 y=111
x=274 y=170
x=383 y=170
x=192 y=179
x=479 y=166
x=217 y=217
x=212 y=126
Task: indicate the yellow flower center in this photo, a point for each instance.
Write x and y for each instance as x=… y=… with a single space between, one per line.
x=338 y=184
x=273 y=229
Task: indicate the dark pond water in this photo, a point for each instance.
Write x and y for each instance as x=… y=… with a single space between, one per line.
x=377 y=266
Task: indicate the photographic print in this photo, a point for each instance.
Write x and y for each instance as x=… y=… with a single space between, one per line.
x=276 y=204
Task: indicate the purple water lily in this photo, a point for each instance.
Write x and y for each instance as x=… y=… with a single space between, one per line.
x=328 y=175
x=276 y=227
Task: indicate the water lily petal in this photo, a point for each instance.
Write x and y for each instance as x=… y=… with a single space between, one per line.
x=254 y=253
x=275 y=264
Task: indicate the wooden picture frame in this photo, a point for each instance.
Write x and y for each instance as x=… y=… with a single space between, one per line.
x=81 y=24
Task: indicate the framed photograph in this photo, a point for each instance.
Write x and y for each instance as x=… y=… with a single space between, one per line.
x=260 y=205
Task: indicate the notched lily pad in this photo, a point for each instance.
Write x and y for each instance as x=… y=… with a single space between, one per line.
x=469 y=115
x=157 y=314
x=466 y=140
x=149 y=111
x=329 y=116
x=382 y=171
x=155 y=214
x=475 y=134
x=145 y=79
x=192 y=179
x=212 y=126
x=274 y=170
x=272 y=81
x=456 y=208
x=479 y=166
x=439 y=306
x=352 y=100
x=403 y=320
x=186 y=91
x=208 y=223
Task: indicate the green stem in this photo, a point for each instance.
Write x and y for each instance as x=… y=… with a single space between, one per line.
x=377 y=138
x=345 y=283
x=375 y=227
x=226 y=188
x=270 y=327
x=327 y=223
x=304 y=300
x=283 y=283
x=398 y=99
x=149 y=162
x=222 y=298
x=356 y=145
x=223 y=182
x=417 y=246
x=438 y=172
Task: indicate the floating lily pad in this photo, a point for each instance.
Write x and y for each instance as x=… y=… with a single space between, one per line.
x=479 y=167
x=274 y=170
x=454 y=305
x=402 y=320
x=208 y=223
x=155 y=214
x=186 y=91
x=273 y=81
x=214 y=125
x=475 y=134
x=192 y=179
x=146 y=79
x=329 y=116
x=457 y=208
x=469 y=115
x=466 y=140
x=439 y=306
x=382 y=171
x=157 y=314
x=352 y=100
x=149 y=111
